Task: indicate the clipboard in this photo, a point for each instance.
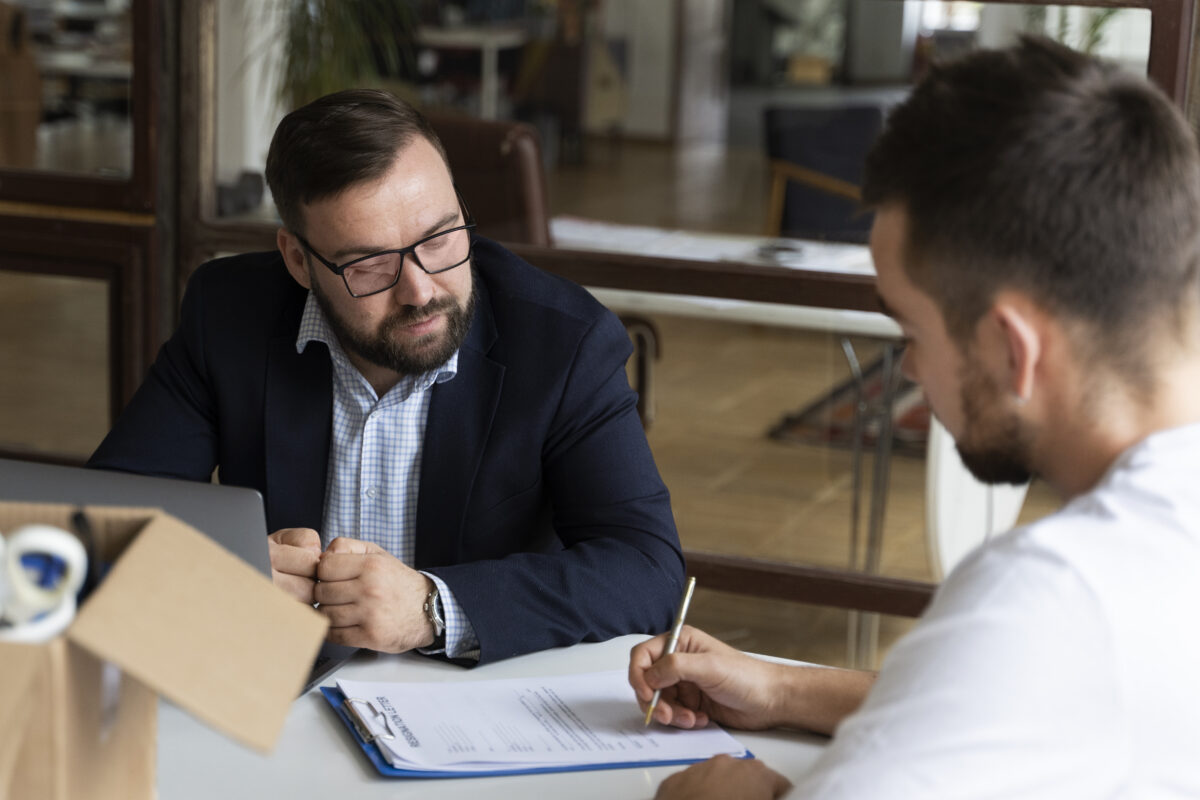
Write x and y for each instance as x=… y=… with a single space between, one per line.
x=344 y=709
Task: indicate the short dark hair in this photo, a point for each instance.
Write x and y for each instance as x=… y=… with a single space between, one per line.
x=337 y=141
x=1042 y=169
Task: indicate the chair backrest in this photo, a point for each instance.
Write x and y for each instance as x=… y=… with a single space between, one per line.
x=498 y=169
x=832 y=141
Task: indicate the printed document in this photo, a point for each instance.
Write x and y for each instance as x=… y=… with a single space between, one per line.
x=481 y=726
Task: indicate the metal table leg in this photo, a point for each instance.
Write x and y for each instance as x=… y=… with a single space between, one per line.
x=863 y=629
x=856 y=445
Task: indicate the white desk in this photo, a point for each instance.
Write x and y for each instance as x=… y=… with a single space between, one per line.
x=315 y=757
x=489 y=41
x=854 y=259
x=829 y=320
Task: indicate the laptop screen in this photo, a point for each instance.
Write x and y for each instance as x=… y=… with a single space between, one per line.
x=231 y=516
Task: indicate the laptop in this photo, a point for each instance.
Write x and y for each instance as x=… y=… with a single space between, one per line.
x=231 y=516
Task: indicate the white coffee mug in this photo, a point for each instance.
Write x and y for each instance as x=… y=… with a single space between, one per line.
x=29 y=612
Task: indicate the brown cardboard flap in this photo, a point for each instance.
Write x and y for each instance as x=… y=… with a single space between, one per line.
x=113 y=526
x=23 y=665
x=203 y=628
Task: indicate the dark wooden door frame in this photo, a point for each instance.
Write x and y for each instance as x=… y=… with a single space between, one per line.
x=113 y=229
x=137 y=192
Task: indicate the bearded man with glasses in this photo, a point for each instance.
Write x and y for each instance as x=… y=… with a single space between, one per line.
x=447 y=445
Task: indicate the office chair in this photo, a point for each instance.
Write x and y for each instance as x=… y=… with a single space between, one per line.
x=497 y=167
x=817 y=157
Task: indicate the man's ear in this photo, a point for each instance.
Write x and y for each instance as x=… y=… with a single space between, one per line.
x=1022 y=340
x=293 y=256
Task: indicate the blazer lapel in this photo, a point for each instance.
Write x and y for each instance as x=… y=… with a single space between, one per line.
x=299 y=414
x=460 y=418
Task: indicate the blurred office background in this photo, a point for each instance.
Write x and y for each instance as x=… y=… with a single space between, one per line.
x=133 y=135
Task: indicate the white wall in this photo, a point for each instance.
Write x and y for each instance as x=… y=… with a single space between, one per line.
x=1126 y=34
x=999 y=25
x=1127 y=38
x=882 y=37
x=649 y=30
x=248 y=36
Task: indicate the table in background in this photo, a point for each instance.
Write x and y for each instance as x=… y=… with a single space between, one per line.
x=315 y=756
x=802 y=256
x=961 y=511
x=489 y=41
x=735 y=251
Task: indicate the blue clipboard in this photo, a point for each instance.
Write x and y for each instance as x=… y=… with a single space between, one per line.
x=337 y=702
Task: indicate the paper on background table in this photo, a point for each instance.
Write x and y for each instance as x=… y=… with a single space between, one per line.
x=588 y=234
x=482 y=726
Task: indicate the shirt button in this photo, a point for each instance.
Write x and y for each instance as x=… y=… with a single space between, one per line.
x=372 y=493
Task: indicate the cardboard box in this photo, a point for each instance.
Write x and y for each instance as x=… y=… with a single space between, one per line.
x=177 y=615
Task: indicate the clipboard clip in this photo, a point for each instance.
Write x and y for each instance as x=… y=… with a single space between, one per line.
x=361 y=727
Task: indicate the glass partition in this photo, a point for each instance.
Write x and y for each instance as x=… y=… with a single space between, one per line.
x=816 y=634
x=754 y=433
x=751 y=406
x=608 y=89
x=70 y=109
x=54 y=351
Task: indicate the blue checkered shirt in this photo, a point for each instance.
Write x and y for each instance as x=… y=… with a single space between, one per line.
x=374 y=469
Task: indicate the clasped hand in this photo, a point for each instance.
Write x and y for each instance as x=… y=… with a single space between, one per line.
x=372 y=599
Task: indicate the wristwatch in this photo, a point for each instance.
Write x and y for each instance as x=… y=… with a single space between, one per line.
x=433 y=612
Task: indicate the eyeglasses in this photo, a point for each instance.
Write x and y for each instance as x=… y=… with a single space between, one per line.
x=380 y=271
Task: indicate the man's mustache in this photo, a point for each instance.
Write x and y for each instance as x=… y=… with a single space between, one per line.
x=411 y=315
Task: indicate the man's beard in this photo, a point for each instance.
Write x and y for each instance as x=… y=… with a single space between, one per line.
x=994 y=444
x=413 y=357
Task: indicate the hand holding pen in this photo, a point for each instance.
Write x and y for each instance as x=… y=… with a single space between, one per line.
x=686 y=678
x=673 y=639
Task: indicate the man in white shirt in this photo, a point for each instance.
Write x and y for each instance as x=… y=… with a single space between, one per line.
x=1037 y=237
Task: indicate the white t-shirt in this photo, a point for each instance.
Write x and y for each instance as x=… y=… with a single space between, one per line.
x=1060 y=660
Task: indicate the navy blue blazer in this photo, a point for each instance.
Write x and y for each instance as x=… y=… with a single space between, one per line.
x=540 y=505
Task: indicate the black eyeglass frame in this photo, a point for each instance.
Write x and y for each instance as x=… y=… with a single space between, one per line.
x=340 y=269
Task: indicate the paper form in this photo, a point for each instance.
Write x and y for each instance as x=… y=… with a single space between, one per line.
x=529 y=722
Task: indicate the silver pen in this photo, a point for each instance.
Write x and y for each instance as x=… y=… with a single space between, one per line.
x=673 y=642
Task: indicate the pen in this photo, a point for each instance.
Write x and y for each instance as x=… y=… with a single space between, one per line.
x=673 y=642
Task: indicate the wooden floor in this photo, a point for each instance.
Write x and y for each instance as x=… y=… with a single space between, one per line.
x=719 y=388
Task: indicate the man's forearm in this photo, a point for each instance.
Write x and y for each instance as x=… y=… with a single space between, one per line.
x=819 y=698
x=590 y=591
